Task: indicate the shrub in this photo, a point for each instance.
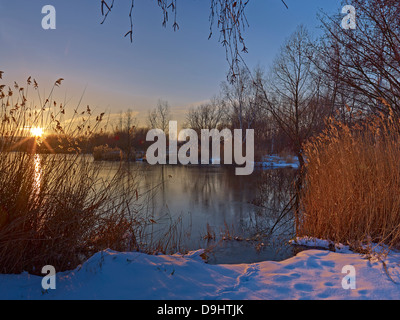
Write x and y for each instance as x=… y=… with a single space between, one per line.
x=352 y=183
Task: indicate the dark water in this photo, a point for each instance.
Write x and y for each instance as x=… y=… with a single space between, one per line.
x=238 y=218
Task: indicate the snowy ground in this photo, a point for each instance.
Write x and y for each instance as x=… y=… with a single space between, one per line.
x=312 y=274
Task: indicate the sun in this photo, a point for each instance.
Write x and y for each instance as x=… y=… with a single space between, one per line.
x=37 y=132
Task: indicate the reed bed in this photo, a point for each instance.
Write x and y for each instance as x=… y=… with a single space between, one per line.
x=55 y=208
x=352 y=184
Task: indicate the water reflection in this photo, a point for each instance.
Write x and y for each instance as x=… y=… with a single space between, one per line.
x=214 y=198
x=199 y=199
x=37 y=174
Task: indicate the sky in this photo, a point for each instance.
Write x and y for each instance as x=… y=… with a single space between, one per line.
x=112 y=75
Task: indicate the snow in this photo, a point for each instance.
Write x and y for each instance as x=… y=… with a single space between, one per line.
x=320 y=243
x=311 y=274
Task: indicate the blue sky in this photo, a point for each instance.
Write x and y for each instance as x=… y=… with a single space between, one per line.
x=183 y=67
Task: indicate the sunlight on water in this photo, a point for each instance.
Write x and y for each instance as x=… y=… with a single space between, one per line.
x=37 y=174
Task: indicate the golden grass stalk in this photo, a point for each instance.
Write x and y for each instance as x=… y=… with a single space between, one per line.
x=55 y=208
x=352 y=183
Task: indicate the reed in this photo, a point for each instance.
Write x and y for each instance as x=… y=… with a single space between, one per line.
x=352 y=183
x=55 y=208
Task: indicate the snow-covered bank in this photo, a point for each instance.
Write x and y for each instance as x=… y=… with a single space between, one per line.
x=312 y=274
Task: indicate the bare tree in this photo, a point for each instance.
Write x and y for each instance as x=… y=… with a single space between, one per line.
x=206 y=116
x=340 y=100
x=244 y=99
x=125 y=133
x=159 y=117
x=368 y=63
x=292 y=94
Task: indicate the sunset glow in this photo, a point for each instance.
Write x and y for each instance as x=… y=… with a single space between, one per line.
x=36 y=132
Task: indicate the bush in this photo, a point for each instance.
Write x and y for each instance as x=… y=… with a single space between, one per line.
x=352 y=183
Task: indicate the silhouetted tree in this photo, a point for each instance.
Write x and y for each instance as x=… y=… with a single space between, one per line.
x=365 y=62
x=293 y=94
x=159 y=117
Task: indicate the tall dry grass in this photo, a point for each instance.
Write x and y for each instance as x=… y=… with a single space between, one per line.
x=55 y=208
x=352 y=183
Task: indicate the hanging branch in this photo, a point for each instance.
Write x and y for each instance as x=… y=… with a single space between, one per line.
x=165 y=7
x=108 y=8
x=231 y=19
x=130 y=32
x=231 y=22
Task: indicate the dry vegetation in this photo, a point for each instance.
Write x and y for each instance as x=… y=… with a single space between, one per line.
x=352 y=183
x=55 y=208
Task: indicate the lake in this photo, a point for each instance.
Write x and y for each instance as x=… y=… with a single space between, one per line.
x=210 y=207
